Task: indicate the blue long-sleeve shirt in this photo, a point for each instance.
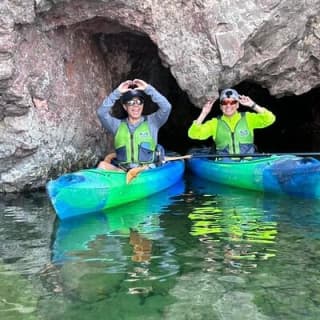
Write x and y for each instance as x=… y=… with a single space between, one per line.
x=155 y=120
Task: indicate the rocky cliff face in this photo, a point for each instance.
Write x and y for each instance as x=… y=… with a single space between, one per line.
x=59 y=58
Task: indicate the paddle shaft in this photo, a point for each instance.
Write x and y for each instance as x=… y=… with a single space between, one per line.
x=187 y=156
x=242 y=155
x=255 y=155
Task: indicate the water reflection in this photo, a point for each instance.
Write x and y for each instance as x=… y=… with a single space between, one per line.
x=142 y=247
x=271 y=239
x=201 y=251
x=125 y=244
x=26 y=224
x=259 y=256
x=235 y=225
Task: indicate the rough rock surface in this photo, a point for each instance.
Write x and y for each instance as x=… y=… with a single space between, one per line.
x=54 y=74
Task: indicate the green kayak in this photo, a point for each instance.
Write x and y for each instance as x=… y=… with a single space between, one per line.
x=284 y=174
x=93 y=190
x=75 y=235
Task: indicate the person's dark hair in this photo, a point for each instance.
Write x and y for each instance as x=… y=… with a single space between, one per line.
x=132 y=94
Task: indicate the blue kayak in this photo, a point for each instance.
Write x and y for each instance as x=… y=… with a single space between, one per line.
x=76 y=235
x=282 y=174
x=93 y=190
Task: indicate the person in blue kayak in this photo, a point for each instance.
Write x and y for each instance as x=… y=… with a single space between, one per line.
x=232 y=132
x=136 y=136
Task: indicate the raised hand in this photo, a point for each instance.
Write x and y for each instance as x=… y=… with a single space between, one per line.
x=246 y=101
x=125 y=86
x=205 y=110
x=140 y=84
x=207 y=107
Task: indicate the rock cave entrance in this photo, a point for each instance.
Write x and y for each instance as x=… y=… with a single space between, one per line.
x=128 y=55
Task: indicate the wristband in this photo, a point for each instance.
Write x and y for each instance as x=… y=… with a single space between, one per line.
x=253 y=106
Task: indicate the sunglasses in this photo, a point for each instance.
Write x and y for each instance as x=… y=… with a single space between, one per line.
x=226 y=102
x=133 y=102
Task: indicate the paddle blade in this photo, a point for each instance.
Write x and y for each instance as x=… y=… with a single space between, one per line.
x=132 y=173
x=110 y=157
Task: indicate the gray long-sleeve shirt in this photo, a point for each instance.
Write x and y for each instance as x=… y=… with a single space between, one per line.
x=155 y=120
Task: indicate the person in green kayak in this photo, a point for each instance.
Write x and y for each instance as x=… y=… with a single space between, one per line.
x=232 y=132
x=136 y=136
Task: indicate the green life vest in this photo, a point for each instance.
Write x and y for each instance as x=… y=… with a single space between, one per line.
x=136 y=147
x=239 y=141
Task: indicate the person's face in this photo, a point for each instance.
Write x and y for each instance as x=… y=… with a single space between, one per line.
x=229 y=107
x=134 y=108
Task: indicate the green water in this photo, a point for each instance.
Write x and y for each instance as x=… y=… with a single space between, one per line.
x=196 y=251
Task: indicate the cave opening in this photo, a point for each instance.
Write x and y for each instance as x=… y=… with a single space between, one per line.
x=129 y=55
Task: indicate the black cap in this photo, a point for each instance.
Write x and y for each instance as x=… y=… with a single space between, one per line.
x=131 y=94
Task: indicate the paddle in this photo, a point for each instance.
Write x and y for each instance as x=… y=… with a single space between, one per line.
x=187 y=156
x=132 y=173
x=241 y=155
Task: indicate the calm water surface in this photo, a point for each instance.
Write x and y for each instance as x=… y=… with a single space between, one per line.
x=195 y=251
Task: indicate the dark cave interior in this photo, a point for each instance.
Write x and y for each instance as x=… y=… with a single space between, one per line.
x=298 y=119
